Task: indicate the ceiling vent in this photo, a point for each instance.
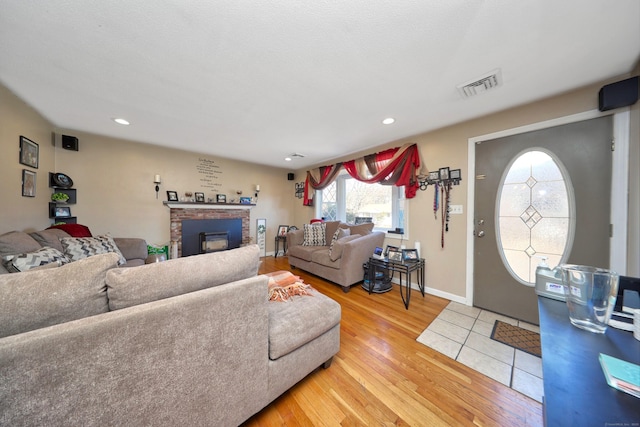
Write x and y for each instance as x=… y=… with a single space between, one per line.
x=297 y=155
x=482 y=84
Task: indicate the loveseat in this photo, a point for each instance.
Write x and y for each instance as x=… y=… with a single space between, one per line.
x=133 y=250
x=190 y=341
x=334 y=250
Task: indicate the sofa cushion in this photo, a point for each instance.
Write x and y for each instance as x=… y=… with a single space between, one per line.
x=322 y=258
x=299 y=321
x=338 y=247
x=132 y=286
x=74 y=230
x=331 y=227
x=76 y=248
x=315 y=234
x=339 y=234
x=17 y=242
x=37 y=299
x=50 y=237
x=304 y=252
x=362 y=229
x=26 y=261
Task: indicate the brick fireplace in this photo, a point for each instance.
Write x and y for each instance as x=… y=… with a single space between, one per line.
x=197 y=211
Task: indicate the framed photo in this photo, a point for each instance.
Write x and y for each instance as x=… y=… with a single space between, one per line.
x=29 y=152
x=390 y=248
x=409 y=255
x=221 y=198
x=395 y=256
x=172 y=196
x=245 y=200
x=444 y=173
x=62 y=211
x=434 y=176
x=282 y=230
x=200 y=197
x=28 y=183
x=455 y=174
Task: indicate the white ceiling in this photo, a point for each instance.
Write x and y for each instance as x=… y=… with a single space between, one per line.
x=258 y=80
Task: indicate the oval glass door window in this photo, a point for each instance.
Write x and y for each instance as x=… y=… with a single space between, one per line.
x=535 y=214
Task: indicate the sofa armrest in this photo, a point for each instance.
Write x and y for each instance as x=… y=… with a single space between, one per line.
x=194 y=359
x=358 y=251
x=132 y=248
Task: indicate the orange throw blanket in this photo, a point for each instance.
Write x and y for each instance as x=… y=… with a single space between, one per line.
x=284 y=284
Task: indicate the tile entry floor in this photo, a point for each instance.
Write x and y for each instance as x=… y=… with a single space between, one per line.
x=463 y=333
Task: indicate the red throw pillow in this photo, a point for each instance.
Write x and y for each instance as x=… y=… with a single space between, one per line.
x=74 y=230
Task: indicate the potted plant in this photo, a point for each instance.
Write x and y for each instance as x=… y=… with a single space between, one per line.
x=60 y=197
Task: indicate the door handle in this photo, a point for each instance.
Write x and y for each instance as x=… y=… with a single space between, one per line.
x=481 y=233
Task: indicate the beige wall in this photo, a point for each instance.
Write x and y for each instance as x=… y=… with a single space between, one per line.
x=446 y=267
x=114 y=180
x=17 y=118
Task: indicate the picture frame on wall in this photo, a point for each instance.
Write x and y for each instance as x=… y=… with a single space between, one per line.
x=29 y=152
x=172 y=196
x=199 y=197
x=28 y=183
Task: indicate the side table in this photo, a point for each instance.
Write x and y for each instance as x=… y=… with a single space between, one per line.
x=402 y=268
x=282 y=239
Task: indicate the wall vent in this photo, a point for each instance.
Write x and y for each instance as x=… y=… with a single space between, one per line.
x=480 y=85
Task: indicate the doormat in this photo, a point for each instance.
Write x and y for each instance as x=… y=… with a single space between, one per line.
x=517 y=337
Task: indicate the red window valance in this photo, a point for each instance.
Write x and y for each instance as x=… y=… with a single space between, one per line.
x=397 y=166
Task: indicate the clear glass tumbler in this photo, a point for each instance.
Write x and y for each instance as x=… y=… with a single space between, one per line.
x=591 y=294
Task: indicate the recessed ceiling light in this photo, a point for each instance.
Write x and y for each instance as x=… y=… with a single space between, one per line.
x=121 y=121
x=287 y=159
x=388 y=121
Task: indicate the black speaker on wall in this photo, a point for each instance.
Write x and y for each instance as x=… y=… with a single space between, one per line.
x=69 y=142
x=291 y=176
x=619 y=94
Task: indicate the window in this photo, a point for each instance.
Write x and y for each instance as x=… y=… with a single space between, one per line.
x=347 y=199
x=535 y=214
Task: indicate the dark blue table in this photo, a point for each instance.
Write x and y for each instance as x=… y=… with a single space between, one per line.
x=576 y=392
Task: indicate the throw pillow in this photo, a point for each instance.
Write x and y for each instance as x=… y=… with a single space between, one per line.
x=74 y=230
x=339 y=234
x=76 y=248
x=338 y=247
x=315 y=234
x=27 y=261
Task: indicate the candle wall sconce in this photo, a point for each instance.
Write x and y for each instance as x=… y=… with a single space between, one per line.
x=441 y=176
x=157 y=181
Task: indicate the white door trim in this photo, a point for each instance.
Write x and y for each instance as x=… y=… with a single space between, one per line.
x=619 y=183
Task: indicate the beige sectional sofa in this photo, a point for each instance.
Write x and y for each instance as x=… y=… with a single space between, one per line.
x=191 y=341
x=339 y=261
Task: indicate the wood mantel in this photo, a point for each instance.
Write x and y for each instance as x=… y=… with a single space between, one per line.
x=200 y=205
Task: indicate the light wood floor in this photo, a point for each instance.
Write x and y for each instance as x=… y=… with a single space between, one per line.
x=382 y=376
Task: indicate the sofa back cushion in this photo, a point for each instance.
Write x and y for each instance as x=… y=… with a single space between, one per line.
x=17 y=242
x=35 y=299
x=362 y=229
x=50 y=237
x=151 y=282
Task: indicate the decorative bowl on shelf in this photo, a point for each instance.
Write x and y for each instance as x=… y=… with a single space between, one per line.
x=60 y=197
